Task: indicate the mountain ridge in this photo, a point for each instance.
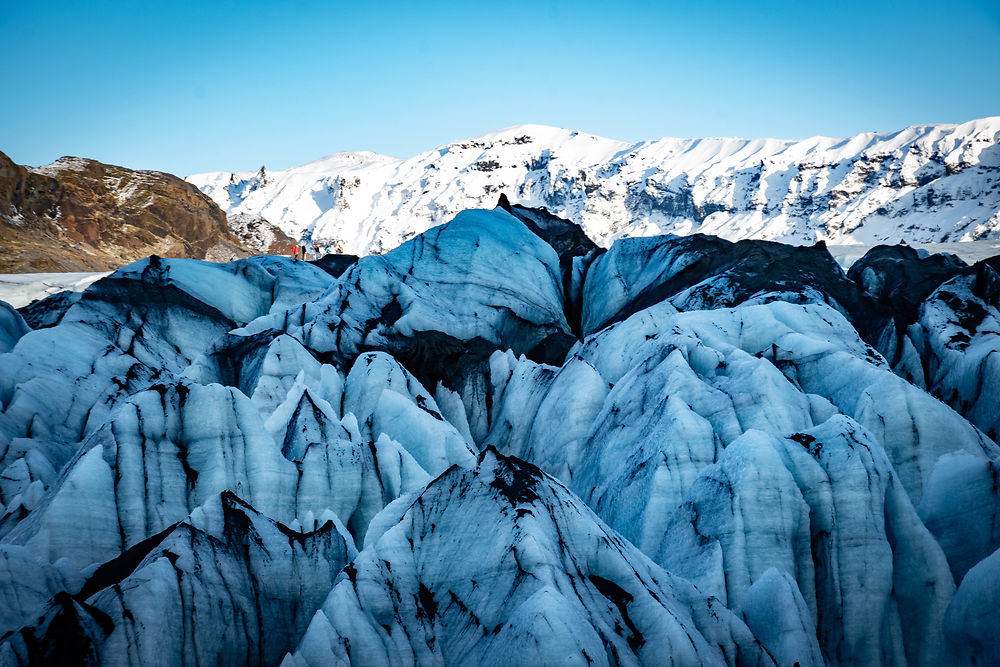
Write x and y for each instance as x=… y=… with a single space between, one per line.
x=924 y=183
x=80 y=214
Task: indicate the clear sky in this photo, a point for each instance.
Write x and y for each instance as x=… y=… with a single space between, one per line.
x=204 y=86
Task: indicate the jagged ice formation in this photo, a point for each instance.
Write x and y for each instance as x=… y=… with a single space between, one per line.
x=501 y=444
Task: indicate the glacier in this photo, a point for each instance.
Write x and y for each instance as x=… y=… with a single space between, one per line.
x=502 y=443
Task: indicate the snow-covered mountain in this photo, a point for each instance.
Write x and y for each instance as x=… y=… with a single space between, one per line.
x=500 y=444
x=925 y=183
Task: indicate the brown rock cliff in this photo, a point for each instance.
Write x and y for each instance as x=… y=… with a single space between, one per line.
x=82 y=215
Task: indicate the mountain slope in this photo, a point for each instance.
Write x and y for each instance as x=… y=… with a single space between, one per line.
x=77 y=215
x=924 y=183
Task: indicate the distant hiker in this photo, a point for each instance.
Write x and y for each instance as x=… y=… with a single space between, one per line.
x=295 y=252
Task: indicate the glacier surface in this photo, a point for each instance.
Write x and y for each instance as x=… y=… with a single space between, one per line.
x=499 y=443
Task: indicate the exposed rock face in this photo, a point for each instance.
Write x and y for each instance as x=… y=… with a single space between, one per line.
x=335 y=264
x=78 y=215
x=498 y=443
x=259 y=235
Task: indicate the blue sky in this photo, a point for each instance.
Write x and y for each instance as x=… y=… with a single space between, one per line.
x=188 y=87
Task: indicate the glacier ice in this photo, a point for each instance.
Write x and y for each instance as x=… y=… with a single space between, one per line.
x=12 y=327
x=971 y=619
x=793 y=504
x=551 y=584
x=244 y=585
x=498 y=443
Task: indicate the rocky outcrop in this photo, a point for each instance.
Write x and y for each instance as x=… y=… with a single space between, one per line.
x=259 y=235
x=81 y=215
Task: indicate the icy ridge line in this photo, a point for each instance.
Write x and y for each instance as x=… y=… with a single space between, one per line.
x=925 y=183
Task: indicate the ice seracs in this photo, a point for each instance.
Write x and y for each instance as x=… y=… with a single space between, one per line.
x=970 y=625
x=954 y=346
x=242 y=586
x=775 y=612
x=698 y=273
x=12 y=327
x=546 y=582
x=791 y=504
x=28 y=583
x=484 y=276
x=539 y=447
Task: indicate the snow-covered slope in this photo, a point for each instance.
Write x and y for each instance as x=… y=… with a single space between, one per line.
x=498 y=444
x=926 y=183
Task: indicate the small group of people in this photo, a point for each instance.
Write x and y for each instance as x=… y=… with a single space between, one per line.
x=304 y=252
